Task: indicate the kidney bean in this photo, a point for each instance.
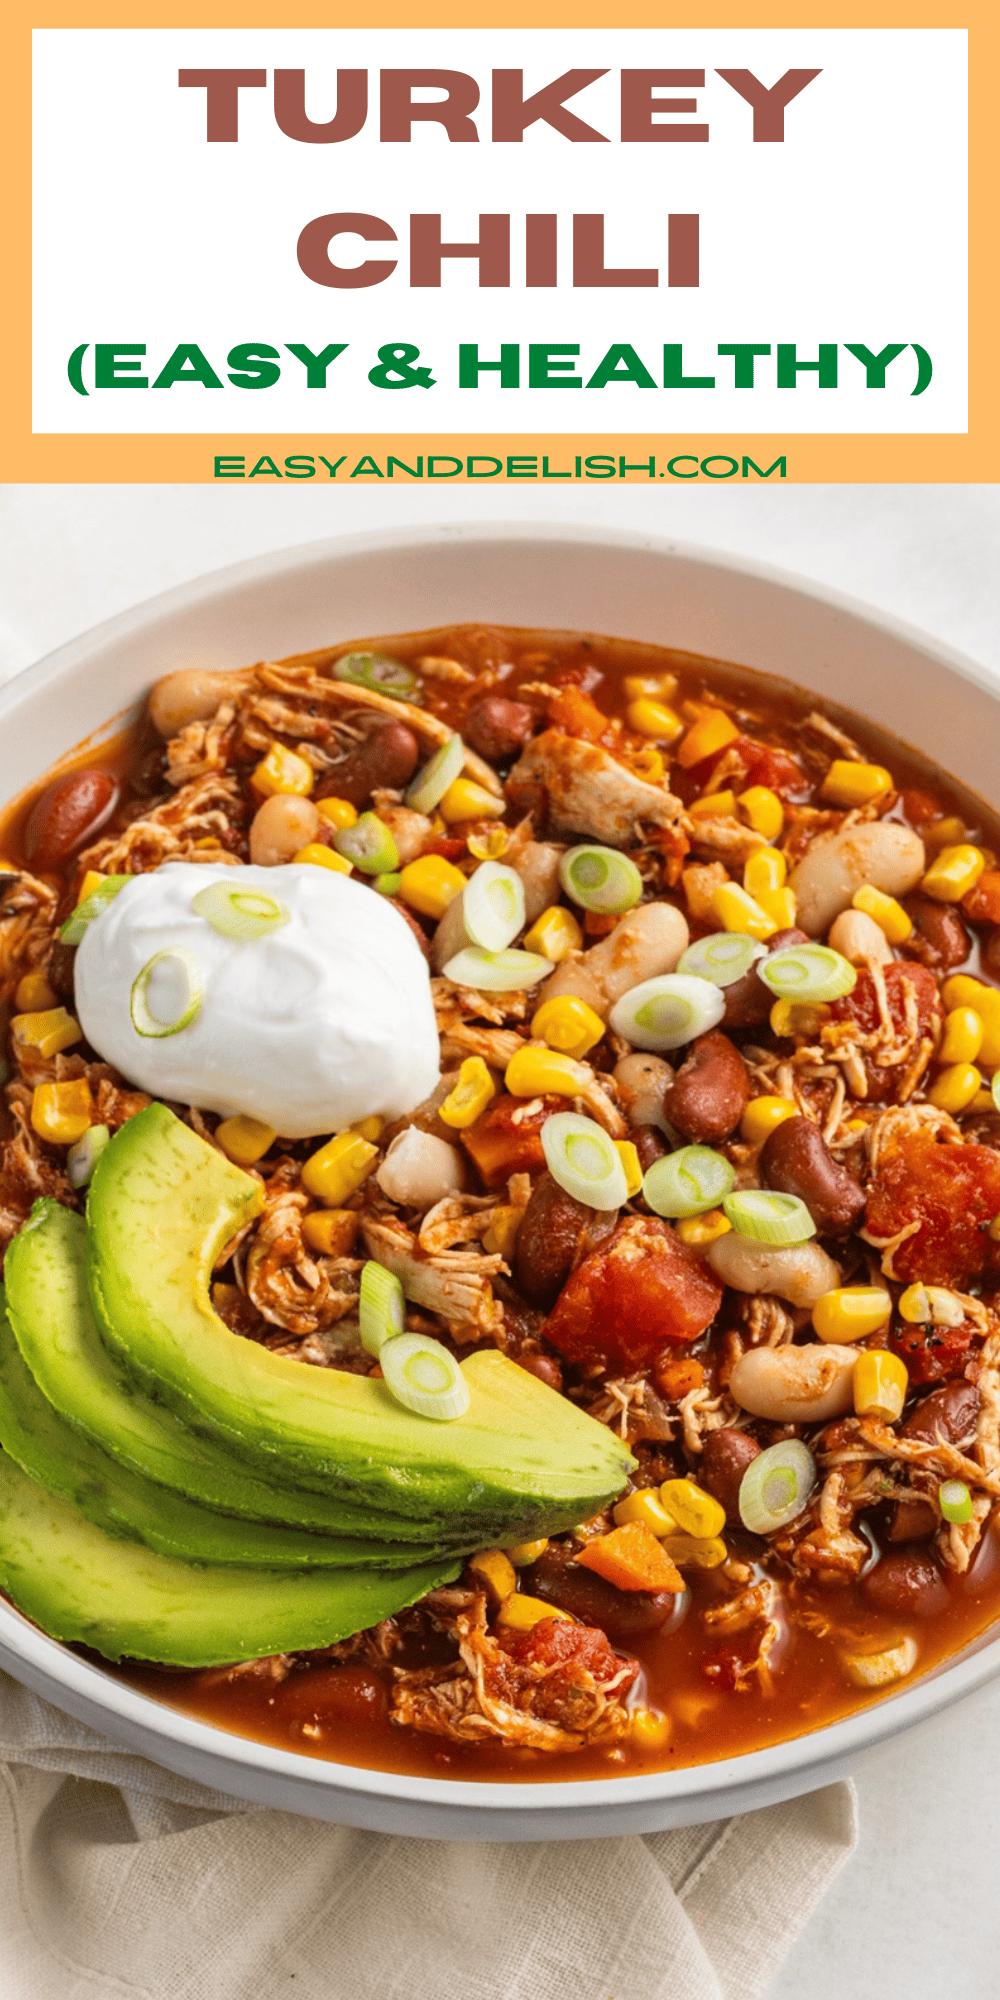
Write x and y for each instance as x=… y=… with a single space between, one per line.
x=722 y=1464
x=748 y=1000
x=709 y=1092
x=280 y=827
x=951 y=1411
x=544 y=1367
x=649 y=1144
x=795 y=1159
x=940 y=939
x=59 y=970
x=623 y=1615
x=69 y=811
x=341 y=1695
x=387 y=756
x=906 y=1585
x=497 y=727
x=557 y=1231
x=912 y=1520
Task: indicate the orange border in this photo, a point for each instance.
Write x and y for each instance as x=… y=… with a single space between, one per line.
x=187 y=458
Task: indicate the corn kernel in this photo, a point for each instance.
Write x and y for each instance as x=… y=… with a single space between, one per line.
x=464 y=799
x=331 y=1232
x=469 y=1095
x=554 y=933
x=62 y=1112
x=535 y=1072
x=488 y=843
x=653 y=719
x=497 y=1572
x=963 y=1036
x=34 y=995
x=520 y=1612
x=884 y=910
x=282 y=770
x=339 y=1168
x=851 y=1312
x=706 y=737
x=699 y=1229
x=49 y=1032
x=568 y=1025
x=633 y=1168
x=660 y=687
x=793 y=1018
x=880 y=1382
x=714 y=805
x=245 y=1140
x=690 y=1553
x=781 y=905
x=953 y=873
x=940 y=833
x=523 y=1553
x=319 y=856
x=737 y=911
x=649 y=1730
x=962 y=991
x=954 y=1088
x=645 y=1506
x=766 y=869
x=850 y=784
x=763 y=809
x=91 y=881
x=696 y=1512
x=647 y=763
x=430 y=883
x=930 y=1305
x=369 y=1128
x=762 y=1115
x=337 y=813
x=500 y=1238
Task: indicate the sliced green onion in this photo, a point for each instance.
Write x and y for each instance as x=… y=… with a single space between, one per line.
x=664 y=1013
x=584 y=1161
x=497 y=971
x=493 y=906
x=424 y=1377
x=774 y=1219
x=177 y=987
x=244 y=914
x=381 y=1307
x=599 y=878
x=687 y=1182
x=80 y=918
x=723 y=958
x=368 y=845
x=809 y=972
x=377 y=673
x=387 y=885
x=955 y=1500
x=775 y=1487
x=433 y=779
x=83 y=1157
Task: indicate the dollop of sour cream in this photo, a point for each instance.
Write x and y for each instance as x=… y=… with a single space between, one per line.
x=325 y=1019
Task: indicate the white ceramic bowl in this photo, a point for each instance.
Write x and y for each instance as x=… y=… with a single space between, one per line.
x=632 y=586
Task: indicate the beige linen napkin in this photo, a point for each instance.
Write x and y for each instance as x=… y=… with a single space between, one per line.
x=120 y=1881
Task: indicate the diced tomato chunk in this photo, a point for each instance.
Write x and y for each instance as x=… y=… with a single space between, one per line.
x=556 y=1640
x=640 y=1289
x=953 y=1193
x=506 y=1137
x=573 y=711
x=906 y=986
x=781 y=773
x=933 y=1353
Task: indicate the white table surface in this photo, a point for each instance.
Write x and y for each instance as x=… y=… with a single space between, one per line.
x=915 y=1913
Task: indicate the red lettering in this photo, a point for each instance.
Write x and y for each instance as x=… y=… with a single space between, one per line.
x=452 y=110
x=768 y=105
x=313 y=251
x=222 y=98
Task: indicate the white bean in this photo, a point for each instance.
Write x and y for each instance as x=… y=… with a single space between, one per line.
x=882 y=852
x=280 y=827
x=795 y=1385
x=537 y=863
x=191 y=695
x=643 y=944
x=856 y=935
x=798 y=1272
x=642 y=1080
x=420 y=1169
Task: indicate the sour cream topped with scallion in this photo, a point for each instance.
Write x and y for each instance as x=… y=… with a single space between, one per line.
x=292 y=995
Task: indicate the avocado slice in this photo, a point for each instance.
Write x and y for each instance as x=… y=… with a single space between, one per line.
x=522 y=1462
x=49 y=1309
x=123 y=1503
x=90 y=1589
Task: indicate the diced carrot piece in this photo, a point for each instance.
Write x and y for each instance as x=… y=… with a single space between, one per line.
x=631 y=1558
x=982 y=903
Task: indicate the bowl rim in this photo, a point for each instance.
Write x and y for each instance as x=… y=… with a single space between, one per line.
x=53 y=1668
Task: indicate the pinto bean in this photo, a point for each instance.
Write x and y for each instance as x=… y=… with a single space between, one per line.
x=191 y=695
x=280 y=827
x=795 y=1159
x=883 y=852
x=940 y=939
x=556 y=1233
x=951 y=1411
x=387 y=757
x=69 y=811
x=800 y=1273
x=643 y=944
x=727 y=1454
x=858 y=936
x=623 y=1615
x=498 y=728
x=906 y=1585
x=710 y=1091
x=795 y=1385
